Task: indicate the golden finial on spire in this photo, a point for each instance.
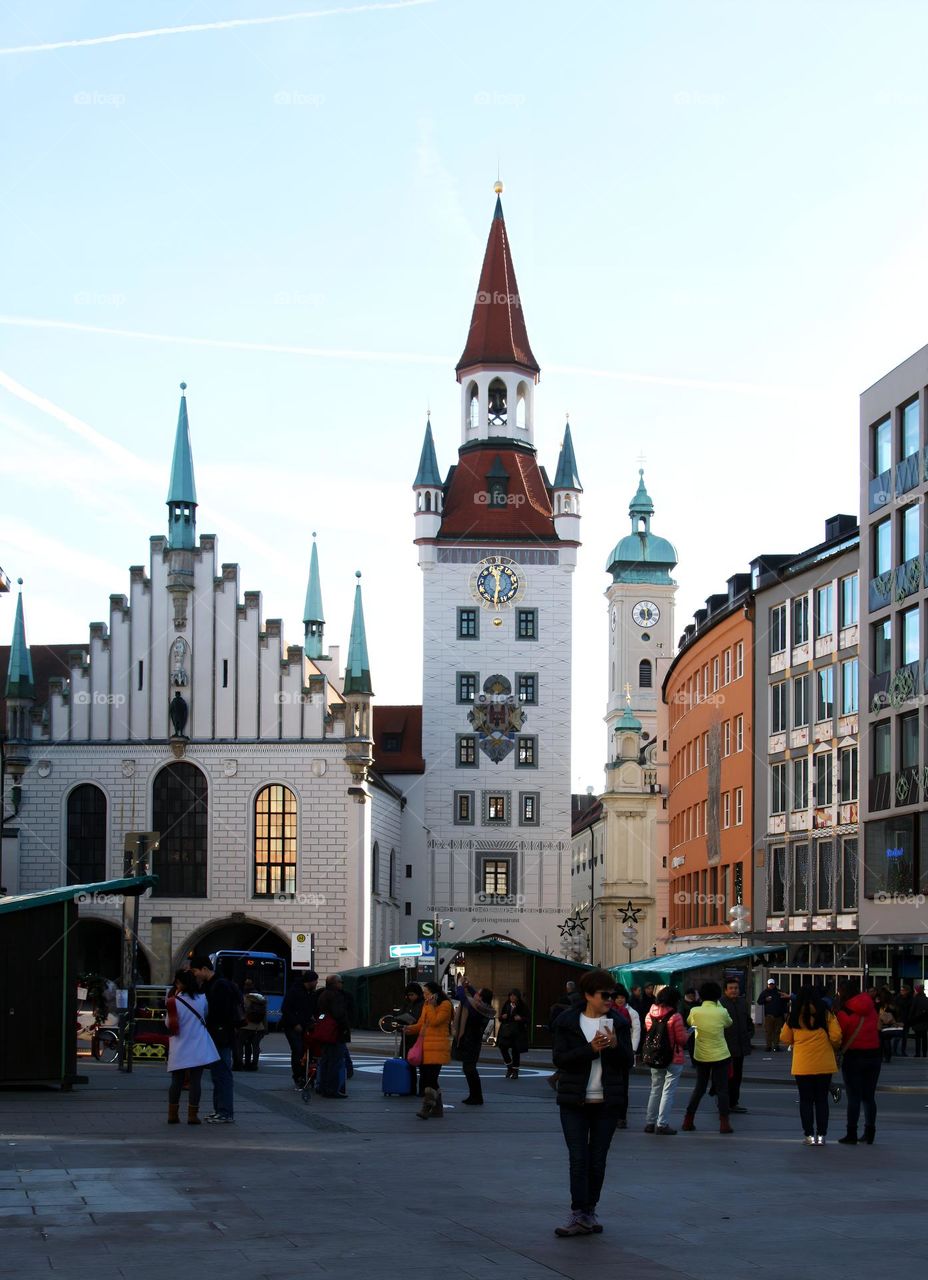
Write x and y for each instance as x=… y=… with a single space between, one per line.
x=498 y=187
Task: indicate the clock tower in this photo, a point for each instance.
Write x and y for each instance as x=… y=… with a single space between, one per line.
x=497 y=544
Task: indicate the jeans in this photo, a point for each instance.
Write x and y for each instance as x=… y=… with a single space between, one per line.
x=718 y=1073
x=297 y=1052
x=734 y=1080
x=177 y=1084
x=861 y=1070
x=663 y=1086
x=772 y=1027
x=588 y=1132
x=332 y=1064
x=221 y=1071
x=251 y=1049
x=813 y=1103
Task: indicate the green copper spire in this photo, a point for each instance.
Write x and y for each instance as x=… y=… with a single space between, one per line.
x=641 y=556
x=20 y=682
x=641 y=504
x=358 y=667
x=428 y=473
x=313 y=621
x=182 y=493
x=566 y=477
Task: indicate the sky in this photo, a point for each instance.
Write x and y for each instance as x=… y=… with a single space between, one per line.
x=718 y=220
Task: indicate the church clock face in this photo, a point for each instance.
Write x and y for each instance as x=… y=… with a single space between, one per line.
x=646 y=614
x=497 y=583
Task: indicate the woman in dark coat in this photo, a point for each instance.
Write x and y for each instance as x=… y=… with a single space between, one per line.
x=592 y=1053
x=512 y=1037
x=474 y=1011
x=409 y=1015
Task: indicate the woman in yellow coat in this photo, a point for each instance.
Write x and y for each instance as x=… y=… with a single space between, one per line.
x=814 y=1033
x=434 y=1032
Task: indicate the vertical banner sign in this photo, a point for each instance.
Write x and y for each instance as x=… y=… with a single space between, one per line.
x=301 y=951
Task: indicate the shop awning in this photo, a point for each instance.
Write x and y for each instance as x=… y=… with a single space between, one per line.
x=664 y=967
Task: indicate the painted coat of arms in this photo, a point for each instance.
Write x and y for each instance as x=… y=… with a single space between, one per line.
x=497 y=718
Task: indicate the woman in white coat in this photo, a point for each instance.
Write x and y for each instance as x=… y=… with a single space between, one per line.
x=191 y=1046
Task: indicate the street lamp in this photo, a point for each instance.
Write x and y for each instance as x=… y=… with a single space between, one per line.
x=630 y=938
x=739 y=920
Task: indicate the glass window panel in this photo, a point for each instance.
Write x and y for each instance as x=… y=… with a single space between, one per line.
x=882 y=647
x=849 y=679
x=800 y=878
x=778 y=714
x=86 y=848
x=275 y=840
x=910 y=629
x=823 y=779
x=910 y=524
x=180 y=812
x=800 y=701
x=825 y=879
x=849 y=875
x=882 y=547
x=824 y=610
x=848 y=764
x=849 y=601
x=801 y=783
x=910 y=429
x=882 y=446
x=777 y=632
x=825 y=700
x=801 y=620
x=778 y=881
x=882 y=754
x=908 y=742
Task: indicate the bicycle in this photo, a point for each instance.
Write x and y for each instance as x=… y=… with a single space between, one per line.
x=104 y=1041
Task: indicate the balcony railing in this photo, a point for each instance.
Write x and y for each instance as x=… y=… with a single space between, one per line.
x=881 y=490
x=880 y=592
x=908 y=786
x=908 y=578
x=881 y=791
x=907 y=476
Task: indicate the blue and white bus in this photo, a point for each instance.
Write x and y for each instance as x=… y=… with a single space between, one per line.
x=265 y=969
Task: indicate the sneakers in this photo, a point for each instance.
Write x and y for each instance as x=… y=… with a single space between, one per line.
x=577 y=1224
x=808 y=1140
x=820 y=1141
x=216 y=1118
x=649 y=1128
x=665 y=1130
x=593 y=1223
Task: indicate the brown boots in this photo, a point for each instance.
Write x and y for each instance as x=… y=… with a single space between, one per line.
x=173 y=1113
x=724 y=1126
x=431 y=1105
x=193 y=1116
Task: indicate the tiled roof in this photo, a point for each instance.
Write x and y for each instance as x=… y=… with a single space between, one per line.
x=402 y=724
x=527 y=511
x=497 y=335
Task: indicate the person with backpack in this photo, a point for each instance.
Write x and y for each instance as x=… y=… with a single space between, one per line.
x=662 y=1051
x=255 y=1028
x=190 y=1047
x=814 y=1033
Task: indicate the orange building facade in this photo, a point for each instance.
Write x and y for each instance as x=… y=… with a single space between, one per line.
x=709 y=694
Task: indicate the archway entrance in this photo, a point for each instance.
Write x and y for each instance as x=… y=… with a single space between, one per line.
x=99 y=950
x=237 y=935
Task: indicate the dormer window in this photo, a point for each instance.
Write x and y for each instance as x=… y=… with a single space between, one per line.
x=497 y=484
x=497 y=409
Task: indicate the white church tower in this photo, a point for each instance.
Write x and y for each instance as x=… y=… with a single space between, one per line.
x=497 y=547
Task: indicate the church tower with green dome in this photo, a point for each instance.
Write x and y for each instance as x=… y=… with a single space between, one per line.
x=641 y=625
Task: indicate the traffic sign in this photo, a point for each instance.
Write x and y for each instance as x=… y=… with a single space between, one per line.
x=400 y=949
x=408 y=962
x=426 y=928
x=301 y=950
x=428 y=948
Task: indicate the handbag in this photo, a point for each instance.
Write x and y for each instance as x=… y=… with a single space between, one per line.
x=414 y=1056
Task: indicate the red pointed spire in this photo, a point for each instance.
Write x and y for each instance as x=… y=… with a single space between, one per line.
x=498 y=336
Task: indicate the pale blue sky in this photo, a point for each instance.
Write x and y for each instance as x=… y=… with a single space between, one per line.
x=717 y=212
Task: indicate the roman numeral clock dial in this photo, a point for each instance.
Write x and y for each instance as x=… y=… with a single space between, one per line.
x=497 y=583
x=646 y=614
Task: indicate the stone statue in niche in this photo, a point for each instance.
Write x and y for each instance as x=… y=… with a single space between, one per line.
x=179 y=676
x=178 y=712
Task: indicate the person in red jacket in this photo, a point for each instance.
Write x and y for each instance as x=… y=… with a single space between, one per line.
x=860 y=1066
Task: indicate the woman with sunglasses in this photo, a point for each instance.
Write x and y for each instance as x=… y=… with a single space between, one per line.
x=592 y=1054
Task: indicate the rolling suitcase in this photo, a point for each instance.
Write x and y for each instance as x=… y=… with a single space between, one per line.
x=396 y=1077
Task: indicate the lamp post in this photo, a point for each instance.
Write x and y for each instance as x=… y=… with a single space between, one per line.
x=739 y=920
x=438 y=921
x=630 y=939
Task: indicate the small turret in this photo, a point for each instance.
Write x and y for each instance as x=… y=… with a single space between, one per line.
x=357 y=692
x=182 y=492
x=20 y=682
x=427 y=487
x=313 y=621
x=565 y=493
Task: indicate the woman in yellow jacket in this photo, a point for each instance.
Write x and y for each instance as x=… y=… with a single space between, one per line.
x=814 y=1033
x=434 y=1030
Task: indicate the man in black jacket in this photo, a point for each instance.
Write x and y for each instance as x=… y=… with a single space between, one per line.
x=224 y=1014
x=297 y=1014
x=592 y=1052
x=738 y=1037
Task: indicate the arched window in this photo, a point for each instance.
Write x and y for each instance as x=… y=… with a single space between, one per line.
x=520 y=407
x=496 y=403
x=275 y=841
x=644 y=674
x=375 y=868
x=180 y=811
x=428 y=502
x=392 y=873
x=86 y=852
x=473 y=409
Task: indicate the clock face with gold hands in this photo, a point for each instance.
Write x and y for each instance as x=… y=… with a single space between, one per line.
x=497 y=583
x=646 y=613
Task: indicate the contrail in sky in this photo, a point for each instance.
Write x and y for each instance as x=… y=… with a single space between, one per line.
x=213 y=26
x=405 y=357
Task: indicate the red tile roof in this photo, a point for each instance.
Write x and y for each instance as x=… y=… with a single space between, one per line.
x=527 y=512
x=498 y=336
x=403 y=725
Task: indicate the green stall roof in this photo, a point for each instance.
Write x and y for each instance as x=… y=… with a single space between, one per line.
x=665 y=966
x=129 y=885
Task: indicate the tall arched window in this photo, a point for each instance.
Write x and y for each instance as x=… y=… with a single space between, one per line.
x=180 y=811
x=86 y=849
x=375 y=868
x=275 y=841
x=473 y=411
x=644 y=674
x=392 y=873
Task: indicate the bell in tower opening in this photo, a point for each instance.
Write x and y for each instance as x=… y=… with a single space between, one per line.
x=496 y=403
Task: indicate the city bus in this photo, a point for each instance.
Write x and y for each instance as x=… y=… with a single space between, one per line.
x=265 y=969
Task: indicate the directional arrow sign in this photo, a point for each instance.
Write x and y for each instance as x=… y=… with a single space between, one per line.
x=399 y=950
